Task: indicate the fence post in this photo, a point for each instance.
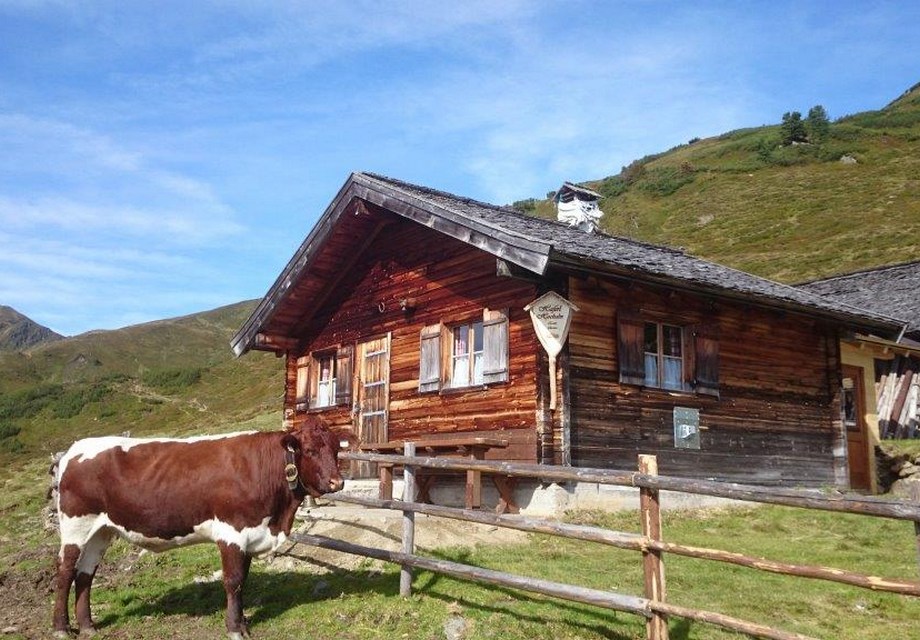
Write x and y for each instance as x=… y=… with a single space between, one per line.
x=408 y=536
x=914 y=491
x=656 y=627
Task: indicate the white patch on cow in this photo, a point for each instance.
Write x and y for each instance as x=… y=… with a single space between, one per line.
x=89 y=448
x=94 y=533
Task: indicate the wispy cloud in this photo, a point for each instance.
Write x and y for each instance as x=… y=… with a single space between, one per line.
x=158 y=158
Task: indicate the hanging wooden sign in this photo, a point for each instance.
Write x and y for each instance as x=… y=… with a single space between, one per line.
x=551 y=315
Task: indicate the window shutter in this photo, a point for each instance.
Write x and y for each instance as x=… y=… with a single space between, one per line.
x=344 y=365
x=706 y=360
x=630 y=333
x=494 y=346
x=313 y=381
x=429 y=376
x=302 y=393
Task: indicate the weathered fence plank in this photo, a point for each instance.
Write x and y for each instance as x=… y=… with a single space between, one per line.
x=804 y=498
x=408 y=537
x=652 y=564
x=606 y=599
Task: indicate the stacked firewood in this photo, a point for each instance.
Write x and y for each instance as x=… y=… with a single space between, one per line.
x=898 y=394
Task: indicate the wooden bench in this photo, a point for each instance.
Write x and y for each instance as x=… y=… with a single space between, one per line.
x=471 y=447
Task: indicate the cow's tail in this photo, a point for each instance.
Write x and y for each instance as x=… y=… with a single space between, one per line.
x=50 y=512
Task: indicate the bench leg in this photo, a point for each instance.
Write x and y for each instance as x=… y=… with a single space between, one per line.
x=385 y=473
x=505 y=486
x=423 y=484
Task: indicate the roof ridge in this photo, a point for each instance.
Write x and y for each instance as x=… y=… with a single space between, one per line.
x=511 y=210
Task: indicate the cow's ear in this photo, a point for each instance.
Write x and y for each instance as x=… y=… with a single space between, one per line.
x=290 y=443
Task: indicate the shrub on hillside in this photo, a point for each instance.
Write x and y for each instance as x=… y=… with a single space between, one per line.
x=171 y=380
x=665 y=180
x=28 y=402
x=528 y=205
x=8 y=430
x=612 y=186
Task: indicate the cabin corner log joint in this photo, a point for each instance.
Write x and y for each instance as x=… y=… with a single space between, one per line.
x=402 y=317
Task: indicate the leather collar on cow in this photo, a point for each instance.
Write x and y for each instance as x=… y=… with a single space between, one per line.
x=290 y=470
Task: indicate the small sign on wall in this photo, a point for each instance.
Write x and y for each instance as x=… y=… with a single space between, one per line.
x=551 y=315
x=686 y=428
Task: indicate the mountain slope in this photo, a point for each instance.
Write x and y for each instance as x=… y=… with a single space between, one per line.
x=17 y=332
x=788 y=212
x=160 y=378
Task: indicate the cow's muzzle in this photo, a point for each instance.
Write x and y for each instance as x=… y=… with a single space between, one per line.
x=336 y=484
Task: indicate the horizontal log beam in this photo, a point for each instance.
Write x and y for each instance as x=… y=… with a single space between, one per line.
x=803 y=498
x=621 y=540
x=584 y=595
x=636 y=542
x=727 y=622
x=605 y=599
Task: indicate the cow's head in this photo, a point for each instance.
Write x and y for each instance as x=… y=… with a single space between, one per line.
x=314 y=449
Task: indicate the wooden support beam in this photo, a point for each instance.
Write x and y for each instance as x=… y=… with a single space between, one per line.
x=656 y=627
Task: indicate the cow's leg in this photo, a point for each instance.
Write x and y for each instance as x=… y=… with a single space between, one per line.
x=66 y=569
x=86 y=571
x=235 y=566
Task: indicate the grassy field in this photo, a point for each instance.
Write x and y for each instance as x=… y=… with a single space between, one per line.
x=176 y=595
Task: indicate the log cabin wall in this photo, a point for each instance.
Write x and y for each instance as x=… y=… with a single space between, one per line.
x=448 y=282
x=776 y=420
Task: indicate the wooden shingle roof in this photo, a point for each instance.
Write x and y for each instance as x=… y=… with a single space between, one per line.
x=892 y=290
x=535 y=244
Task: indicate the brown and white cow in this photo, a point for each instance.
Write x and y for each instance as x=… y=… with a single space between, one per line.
x=240 y=490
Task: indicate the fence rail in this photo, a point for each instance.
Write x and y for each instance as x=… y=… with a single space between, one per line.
x=653 y=606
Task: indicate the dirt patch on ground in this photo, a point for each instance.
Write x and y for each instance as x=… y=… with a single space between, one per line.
x=24 y=593
x=382 y=529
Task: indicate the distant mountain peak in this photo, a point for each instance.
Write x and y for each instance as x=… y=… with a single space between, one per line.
x=17 y=332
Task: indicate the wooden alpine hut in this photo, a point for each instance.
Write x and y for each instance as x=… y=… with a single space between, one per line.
x=402 y=316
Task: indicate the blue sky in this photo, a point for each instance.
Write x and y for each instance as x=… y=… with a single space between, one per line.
x=163 y=158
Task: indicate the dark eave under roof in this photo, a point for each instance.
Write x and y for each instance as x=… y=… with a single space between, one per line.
x=535 y=244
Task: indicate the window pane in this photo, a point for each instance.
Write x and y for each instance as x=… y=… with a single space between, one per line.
x=651 y=338
x=461 y=340
x=671 y=337
x=326 y=369
x=460 y=375
x=651 y=370
x=477 y=368
x=673 y=373
x=477 y=336
x=325 y=393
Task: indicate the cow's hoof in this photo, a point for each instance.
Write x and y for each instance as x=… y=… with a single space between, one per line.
x=88 y=632
x=60 y=634
x=236 y=635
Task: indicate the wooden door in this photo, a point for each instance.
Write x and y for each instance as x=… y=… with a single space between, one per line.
x=373 y=397
x=854 y=421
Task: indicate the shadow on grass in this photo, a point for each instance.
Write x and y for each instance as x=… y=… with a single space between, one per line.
x=598 y=621
x=266 y=596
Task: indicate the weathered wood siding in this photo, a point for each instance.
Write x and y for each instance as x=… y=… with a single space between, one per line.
x=777 y=418
x=449 y=282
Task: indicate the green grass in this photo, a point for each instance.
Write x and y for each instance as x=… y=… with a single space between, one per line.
x=156 y=596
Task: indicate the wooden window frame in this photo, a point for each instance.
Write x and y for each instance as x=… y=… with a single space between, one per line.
x=661 y=357
x=437 y=356
x=308 y=381
x=699 y=353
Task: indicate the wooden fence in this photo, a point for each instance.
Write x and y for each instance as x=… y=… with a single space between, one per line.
x=653 y=606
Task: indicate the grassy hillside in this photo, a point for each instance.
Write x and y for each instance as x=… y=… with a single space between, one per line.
x=165 y=377
x=787 y=212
